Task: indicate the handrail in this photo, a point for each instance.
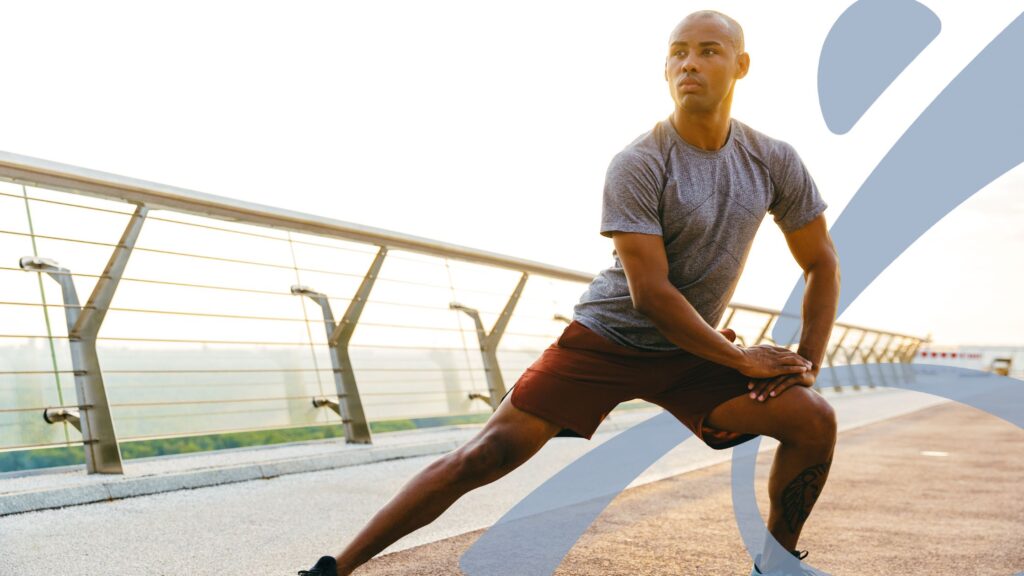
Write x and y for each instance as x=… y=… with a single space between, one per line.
x=35 y=171
x=93 y=414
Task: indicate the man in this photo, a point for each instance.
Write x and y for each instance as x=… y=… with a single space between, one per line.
x=682 y=204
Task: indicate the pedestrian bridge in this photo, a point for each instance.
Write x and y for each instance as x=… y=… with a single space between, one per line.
x=142 y=323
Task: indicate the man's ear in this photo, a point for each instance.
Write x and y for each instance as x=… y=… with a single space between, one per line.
x=666 y=69
x=743 y=65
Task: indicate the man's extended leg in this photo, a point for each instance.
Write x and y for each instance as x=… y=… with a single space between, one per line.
x=509 y=438
x=804 y=424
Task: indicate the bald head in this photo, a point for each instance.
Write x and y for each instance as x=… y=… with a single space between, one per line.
x=733 y=27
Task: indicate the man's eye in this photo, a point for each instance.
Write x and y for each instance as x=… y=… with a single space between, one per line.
x=709 y=51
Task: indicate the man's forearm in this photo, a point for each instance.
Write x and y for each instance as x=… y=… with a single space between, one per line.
x=674 y=316
x=821 y=301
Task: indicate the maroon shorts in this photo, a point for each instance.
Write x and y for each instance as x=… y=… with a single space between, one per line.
x=579 y=379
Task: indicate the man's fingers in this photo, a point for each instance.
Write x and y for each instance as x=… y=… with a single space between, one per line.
x=786 y=356
x=794 y=369
x=780 y=388
x=792 y=356
x=761 y=387
x=729 y=334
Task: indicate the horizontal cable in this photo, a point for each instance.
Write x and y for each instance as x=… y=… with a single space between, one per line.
x=434 y=415
x=217 y=371
x=259 y=343
x=39 y=446
x=391 y=256
x=368 y=378
x=37 y=372
x=166 y=312
x=203 y=286
x=412 y=402
x=212 y=287
x=213 y=258
x=428 y=393
x=181 y=222
x=41 y=200
x=281 y=293
x=199 y=402
x=196 y=414
x=216 y=228
x=267 y=292
x=135 y=416
x=162 y=282
x=58 y=238
x=249 y=400
x=310 y=385
x=224 y=431
x=244 y=262
x=265 y=370
x=154 y=218
x=274 y=318
x=31 y=409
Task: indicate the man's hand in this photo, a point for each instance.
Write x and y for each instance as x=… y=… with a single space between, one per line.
x=765 y=361
x=765 y=388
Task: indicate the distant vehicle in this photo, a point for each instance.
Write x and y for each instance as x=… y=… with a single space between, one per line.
x=1001 y=366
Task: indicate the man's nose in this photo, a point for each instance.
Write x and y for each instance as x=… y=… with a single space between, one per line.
x=688 y=64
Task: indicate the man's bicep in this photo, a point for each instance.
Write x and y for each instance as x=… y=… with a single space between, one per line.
x=811 y=244
x=795 y=197
x=644 y=262
x=632 y=194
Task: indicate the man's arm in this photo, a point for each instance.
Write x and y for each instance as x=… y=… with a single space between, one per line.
x=646 y=267
x=813 y=250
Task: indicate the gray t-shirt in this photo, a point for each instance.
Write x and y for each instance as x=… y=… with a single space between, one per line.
x=707 y=206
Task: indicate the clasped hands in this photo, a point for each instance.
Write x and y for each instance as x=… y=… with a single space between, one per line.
x=773 y=369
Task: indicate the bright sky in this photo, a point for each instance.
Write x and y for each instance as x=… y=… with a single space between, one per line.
x=486 y=124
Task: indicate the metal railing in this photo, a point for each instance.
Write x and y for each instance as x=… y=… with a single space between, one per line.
x=223 y=317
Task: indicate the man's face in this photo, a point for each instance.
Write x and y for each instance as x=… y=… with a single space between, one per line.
x=702 y=64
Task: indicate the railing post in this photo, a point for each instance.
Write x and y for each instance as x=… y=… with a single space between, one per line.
x=728 y=319
x=908 y=357
x=764 y=331
x=911 y=353
x=348 y=405
x=881 y=356
x=852 y=356
x=94 y=419
x=489 y=344
x=871 y=353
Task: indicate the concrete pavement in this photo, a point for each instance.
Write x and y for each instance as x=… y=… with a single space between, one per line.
x=276 y=526
x=934 y=492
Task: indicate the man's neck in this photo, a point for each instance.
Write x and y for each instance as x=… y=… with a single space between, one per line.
x=705 y=131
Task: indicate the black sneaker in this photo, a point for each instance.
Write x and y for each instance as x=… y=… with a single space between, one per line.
x=325 y=566
x=799 y=554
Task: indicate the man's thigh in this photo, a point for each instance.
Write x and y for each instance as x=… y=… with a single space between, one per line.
x=795 y=408
x=519 y=433
x=696 y=389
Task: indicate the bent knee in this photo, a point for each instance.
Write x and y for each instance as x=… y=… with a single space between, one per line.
x=482 y=456
x=816 y=425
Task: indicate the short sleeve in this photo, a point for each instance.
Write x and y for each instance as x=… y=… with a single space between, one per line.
x=795 y=197
x=632 y=194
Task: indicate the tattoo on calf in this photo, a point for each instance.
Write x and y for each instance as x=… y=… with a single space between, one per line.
x=799 y=496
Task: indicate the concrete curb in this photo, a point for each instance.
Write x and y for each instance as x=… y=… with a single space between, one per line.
x=129 y=487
